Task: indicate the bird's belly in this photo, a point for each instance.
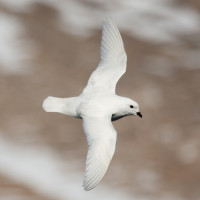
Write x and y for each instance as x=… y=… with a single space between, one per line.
x=91 y=109
x=97 y=106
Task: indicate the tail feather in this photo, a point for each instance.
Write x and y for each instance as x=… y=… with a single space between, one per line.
x=54 y=104
x=67 y=106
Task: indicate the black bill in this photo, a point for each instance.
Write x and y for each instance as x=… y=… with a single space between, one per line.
x=139 y=114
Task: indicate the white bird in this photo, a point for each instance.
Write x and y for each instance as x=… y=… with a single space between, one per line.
x=98 y=105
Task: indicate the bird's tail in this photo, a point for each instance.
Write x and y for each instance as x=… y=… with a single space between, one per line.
x=54 y=104
x=67 y=106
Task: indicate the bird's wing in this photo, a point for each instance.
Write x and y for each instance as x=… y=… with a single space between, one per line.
x=101 y=137
x=112 y=63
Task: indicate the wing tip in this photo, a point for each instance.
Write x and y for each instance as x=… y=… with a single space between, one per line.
x=90 y=182
x=108 y=20
x=87 y=185
x=111 y=42
x=86 y=188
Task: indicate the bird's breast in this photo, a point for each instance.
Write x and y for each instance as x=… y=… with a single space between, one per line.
x=93 y=109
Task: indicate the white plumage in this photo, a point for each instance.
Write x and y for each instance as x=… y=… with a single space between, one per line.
x=112 y=63
x=101 y=138
x=98 y=105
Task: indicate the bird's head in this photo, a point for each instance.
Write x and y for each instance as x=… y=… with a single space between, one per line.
x=132 y=108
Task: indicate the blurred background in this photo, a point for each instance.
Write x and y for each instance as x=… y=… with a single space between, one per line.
x=51 y=47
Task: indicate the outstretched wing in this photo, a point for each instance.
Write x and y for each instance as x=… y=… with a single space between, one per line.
x=101 y=137
x=112 y=63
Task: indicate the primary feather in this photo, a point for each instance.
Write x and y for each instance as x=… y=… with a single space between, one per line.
x=101 y=138
x=112 y=63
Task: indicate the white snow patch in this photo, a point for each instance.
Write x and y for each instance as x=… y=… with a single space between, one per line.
x=15 y=51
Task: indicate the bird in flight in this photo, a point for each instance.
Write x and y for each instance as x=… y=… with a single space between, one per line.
x=98 y=105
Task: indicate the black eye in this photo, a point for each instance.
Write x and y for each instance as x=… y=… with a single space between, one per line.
x=131 y=106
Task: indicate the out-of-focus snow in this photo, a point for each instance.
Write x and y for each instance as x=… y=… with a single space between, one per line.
x=157 y=66
x=43 y=171
x=19 y=5
x=152 y=20
x=155 y=21
x=15 y=52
